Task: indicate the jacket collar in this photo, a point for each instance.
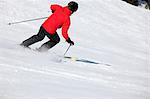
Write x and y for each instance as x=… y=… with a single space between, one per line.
x=67 y=11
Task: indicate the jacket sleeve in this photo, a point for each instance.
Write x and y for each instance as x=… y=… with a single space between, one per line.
x=65 y=28
x=54 y=7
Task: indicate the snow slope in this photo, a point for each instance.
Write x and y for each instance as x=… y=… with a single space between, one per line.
x=105 y=31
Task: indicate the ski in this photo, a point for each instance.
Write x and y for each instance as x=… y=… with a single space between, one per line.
x=29 y=48
x=74 y=58
x=85 y=60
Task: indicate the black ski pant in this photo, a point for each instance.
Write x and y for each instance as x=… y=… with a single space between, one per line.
x=54 y=39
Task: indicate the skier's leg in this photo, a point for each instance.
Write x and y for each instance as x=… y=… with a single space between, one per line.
x=54 y=39
x=35 y=38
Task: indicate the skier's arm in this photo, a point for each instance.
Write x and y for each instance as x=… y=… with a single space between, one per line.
x=65 y=28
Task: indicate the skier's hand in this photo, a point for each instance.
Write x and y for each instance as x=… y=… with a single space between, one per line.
x=70 y=42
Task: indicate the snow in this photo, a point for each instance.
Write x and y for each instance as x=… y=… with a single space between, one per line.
x=106 y=31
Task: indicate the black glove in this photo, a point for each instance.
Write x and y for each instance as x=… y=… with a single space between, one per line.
x=70 y=42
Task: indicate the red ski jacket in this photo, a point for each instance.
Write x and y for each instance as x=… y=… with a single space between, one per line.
x=59 y=18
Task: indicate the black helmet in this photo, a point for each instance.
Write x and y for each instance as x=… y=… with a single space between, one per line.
x=73 y=6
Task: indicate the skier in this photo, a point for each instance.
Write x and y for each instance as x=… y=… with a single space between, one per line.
x=59 y=19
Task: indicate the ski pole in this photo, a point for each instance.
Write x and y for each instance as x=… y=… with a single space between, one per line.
x=27 y=20
x=67 y=50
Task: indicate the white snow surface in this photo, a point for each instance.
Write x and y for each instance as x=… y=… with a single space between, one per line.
x=106 y=31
